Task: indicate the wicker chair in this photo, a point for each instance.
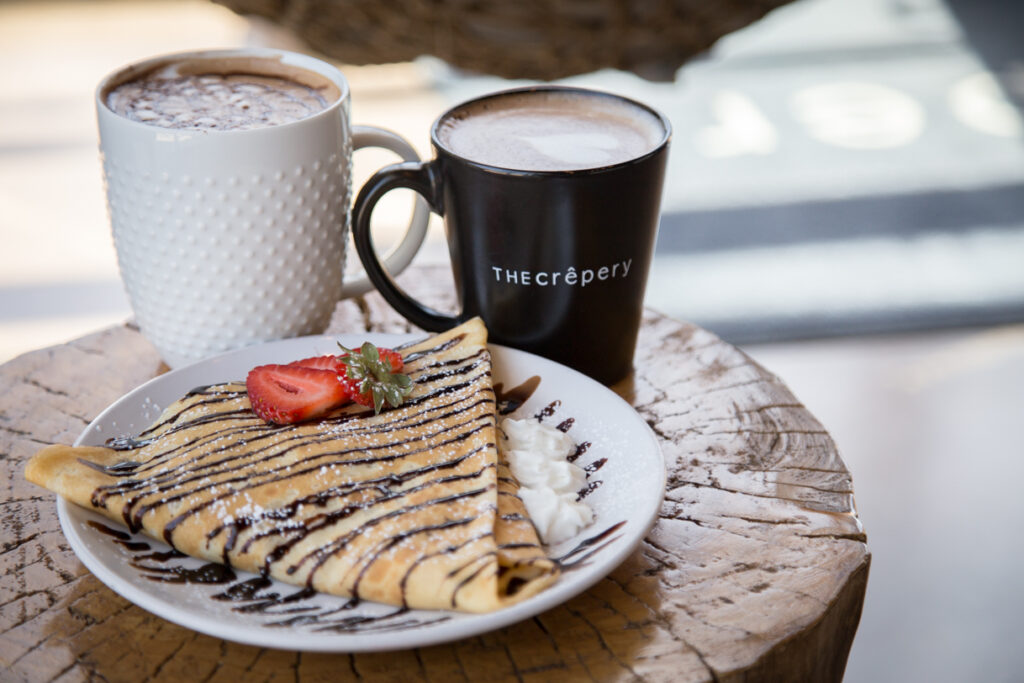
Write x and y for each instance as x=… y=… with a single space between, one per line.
x=534 y=39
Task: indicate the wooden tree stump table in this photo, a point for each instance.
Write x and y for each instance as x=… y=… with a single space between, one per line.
x=755 y=570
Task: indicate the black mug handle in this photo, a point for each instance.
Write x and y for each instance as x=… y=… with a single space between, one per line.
x=422 y=178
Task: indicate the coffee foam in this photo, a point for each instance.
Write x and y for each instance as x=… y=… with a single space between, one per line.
x=221 y=93
x=551 y=131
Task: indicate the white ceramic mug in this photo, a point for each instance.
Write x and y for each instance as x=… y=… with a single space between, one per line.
x=226 y=238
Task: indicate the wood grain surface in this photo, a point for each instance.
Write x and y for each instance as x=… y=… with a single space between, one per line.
x=755 y=570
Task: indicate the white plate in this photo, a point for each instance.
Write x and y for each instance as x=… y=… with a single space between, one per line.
x=625 y=493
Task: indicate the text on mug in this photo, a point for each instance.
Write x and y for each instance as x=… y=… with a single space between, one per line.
x=570 y=276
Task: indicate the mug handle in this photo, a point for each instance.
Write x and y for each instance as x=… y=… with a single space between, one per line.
x=420 y=177
x=401 y=255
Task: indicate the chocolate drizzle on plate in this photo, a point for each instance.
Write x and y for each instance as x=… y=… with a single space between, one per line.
x=511 y=400
x=211 y=572
x=581 y=448
x=548 y=410
x=588 y=547
x=260 y=596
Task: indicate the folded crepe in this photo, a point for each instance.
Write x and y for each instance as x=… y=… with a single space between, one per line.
x=411 y=507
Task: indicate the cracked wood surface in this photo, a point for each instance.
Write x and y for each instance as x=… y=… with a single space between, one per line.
x=755 y=570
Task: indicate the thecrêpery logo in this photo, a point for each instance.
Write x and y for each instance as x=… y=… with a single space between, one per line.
x=569 y=277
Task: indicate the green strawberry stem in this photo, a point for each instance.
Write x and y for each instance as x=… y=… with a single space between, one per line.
x=374 y=376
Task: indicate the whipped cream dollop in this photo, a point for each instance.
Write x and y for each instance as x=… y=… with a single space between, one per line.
x=537 y=455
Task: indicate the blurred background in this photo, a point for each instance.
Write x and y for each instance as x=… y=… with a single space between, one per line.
x=845 y=201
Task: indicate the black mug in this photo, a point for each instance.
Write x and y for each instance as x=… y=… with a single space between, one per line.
x=550 y=227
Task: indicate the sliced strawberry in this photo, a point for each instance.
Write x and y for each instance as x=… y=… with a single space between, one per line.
x=285 y=394
x=332 y=363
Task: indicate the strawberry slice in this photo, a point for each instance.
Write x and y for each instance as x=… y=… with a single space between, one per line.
x=332 y=363
x=285 y=394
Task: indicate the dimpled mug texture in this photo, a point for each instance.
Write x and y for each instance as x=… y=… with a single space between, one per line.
x=230 y=259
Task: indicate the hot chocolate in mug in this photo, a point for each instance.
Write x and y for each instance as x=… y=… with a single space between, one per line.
x=551 y=200
x=228 y=179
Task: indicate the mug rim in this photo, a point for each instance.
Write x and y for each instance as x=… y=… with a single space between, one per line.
x=589 y=92
x=297 y=59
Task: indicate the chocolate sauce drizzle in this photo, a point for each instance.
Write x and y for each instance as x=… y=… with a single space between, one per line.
x=255 y=595
x=213 y=471
x=305 y=608
x=511 y=400
x=589 y=547
x=548 y=410
x=581 y=448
